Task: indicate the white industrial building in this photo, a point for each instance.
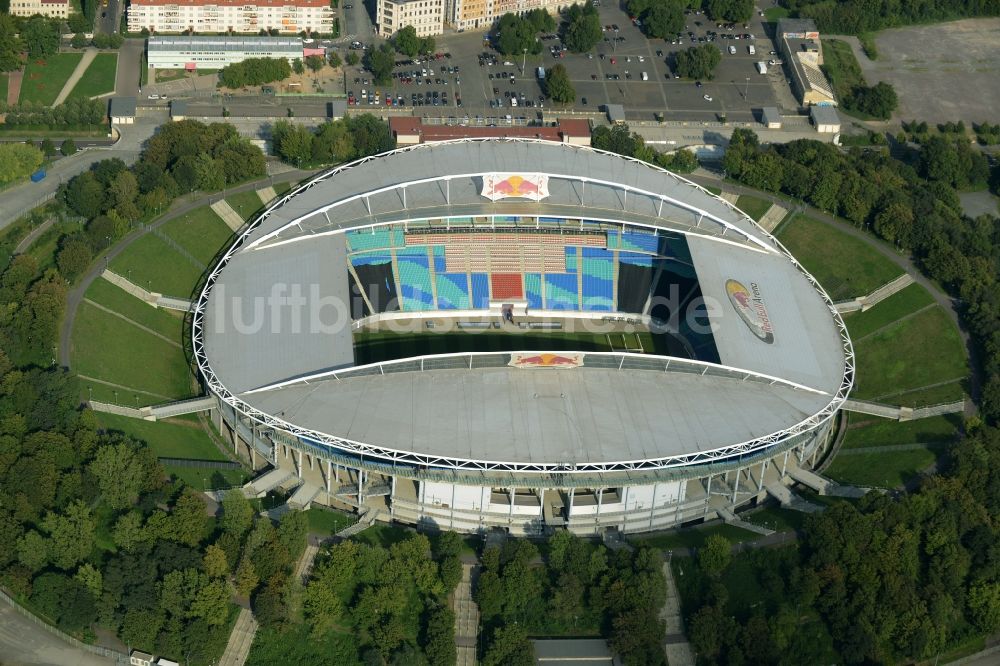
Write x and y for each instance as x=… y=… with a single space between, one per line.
x=216 y=16
x=426 y=16
x=182 y=52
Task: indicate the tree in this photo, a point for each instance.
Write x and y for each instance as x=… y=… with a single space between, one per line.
x=120 y=474
x=246 y=577
x=91 y=578
x=17 y=160
x=298 y=67
x=715 y=556
x=315 y=63
x=212 y=603
x=187 y=519
x=73 y=258
x=215 y=562
x=698 y=62
x=984 y=604
x=321 y=604
x=380 y=62
x=582 y=30
x=334 y=60
x=406 y=41
x=515 y=35
x=353 y=59
x=730 y=11
x=663 y=19
x=48 y=148
x=440 y=637
x=509 y=647
x=71 y=535
x=68 y=147
x=128 y=532
x=10 y=44
x=79 y=41
x=33 y=550
x=237 y=513
x=40 y=36
x=558 y=86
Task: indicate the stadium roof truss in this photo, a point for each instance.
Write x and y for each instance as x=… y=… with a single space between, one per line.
x=395 y=456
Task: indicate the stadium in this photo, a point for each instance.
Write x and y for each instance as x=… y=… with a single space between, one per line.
x=518 y=334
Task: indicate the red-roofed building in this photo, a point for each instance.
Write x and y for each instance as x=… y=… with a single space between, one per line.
x=409 y=130
x=55 y=8
x=241 y=16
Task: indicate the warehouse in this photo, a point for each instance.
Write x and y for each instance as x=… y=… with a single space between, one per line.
x=194 y=53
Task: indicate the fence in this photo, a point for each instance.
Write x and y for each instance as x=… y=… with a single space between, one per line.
x=108 y=653
x=203 y=464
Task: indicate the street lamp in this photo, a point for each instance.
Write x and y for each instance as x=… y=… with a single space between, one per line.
x=524 y=58
x=746 y=94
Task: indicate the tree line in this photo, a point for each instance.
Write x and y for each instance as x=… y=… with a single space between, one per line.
x=664 y=19
x=342 y=140
x=853 y=17
x=883 y=580
x=578 y=588
x=254 y=72
x=619 y=140
x=74 y=113
x=912 y=202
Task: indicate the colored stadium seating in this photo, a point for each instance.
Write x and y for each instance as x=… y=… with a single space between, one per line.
x=507 y=286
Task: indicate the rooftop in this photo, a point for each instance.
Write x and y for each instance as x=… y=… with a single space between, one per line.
x=796 y=25
x=408 y=125
x=556 y=652
x=122 y=107
x=824 y=115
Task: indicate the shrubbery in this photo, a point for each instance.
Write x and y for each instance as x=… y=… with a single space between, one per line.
x=332 y=142
x=254 y=72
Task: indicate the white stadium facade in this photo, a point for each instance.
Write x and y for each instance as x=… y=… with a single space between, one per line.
x=339 y=337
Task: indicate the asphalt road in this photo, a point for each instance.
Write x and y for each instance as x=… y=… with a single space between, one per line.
x=108 y=18
x=22 y=641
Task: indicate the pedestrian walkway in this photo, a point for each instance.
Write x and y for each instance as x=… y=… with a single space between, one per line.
x=74 y=78
x=774 y=215
x=466 y=619
x=228 y=215
x=266 y=194
x=14 y=86
x=304 y=567
x=675 y=644
x=238 y=647
x=869 y=301
x=26 y=242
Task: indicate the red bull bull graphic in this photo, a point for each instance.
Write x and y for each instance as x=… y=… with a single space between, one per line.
x=749 y=305
x=497 y=186
x=545 y=360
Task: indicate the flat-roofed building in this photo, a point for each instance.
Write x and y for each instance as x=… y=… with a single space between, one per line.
x=409 y=130
x=183 y=52
x=799 y=42
x=240 y=16
x=53 y=8
x=426 y=16
x=825 y=119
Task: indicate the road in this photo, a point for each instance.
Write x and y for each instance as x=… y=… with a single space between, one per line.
x=20 y=199
x=179 y=208
x=355 y=21
x=108 y=19
x=129 y=60
x=22 y=641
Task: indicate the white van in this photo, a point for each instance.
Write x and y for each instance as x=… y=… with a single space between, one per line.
x=751 y=49
x=732 y=50
x=645 y=76
x=513 y=102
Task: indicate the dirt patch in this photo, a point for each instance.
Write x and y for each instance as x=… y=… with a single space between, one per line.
x=941 y=72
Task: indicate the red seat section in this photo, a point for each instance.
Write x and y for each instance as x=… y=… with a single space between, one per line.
x=507 y=286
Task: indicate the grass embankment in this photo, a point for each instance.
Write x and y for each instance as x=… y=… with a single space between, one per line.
x=755 y=207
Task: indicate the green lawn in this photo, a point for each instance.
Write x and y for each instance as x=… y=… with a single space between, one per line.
x=776 y=518
x=99 y=79
x=245 y=203
x=915 y=353
x=107 y=348
x=281 y=188
x=208 y=479
x=843 y=70
x=156 y=266
x=164 y=75
x=296 y=645
x=165 y=322
x=201 y=232
x=694 y=537
x=864 y=431
x=772 y=14
x=382 y=535
x=882 y=469
x=753 y=206
x=844 y=265
x=168 y=439
x=328 y=523
x=44 y=78
x=908 y=301
x=934 y=395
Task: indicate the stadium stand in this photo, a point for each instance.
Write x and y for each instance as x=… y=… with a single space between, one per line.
x=453 y=291
x=507 y=286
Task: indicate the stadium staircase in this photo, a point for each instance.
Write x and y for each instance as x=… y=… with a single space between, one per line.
x=269 y=481
x=182 y=407
x=731 y=518
x=366 y=520
x=303 y=496
x=774 y=215
x=864 y=303
x=228 y=215
x=790 y=500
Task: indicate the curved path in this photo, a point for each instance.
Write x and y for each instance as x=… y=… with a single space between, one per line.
x=180 y=207
x=705 y=178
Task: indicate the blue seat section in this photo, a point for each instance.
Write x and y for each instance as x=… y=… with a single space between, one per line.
x=480 y=291
x=452 y=290
x=561 y=292
x=374 y=239
x=415 y=278
x=640 y=241
x=439 y=263
x=571 y=260
x=635 y=259
x=369 y=258
x=533 y=289
x=598 y=279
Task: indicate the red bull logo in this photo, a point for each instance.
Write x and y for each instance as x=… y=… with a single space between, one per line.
x=546 y=360
x=504 y=185
x=749 y=305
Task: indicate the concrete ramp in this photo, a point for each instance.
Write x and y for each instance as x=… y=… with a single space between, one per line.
x=731 y=518
x=267 y=482
x=303 y=496
x=181 y=407
x=873 y=409
x=266 y=194
x=811 y=480
x=172 y=303
x=790 y=500
x=774 y=215
x=228 y=215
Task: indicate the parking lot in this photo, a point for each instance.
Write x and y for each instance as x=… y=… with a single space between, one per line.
x=612 y=73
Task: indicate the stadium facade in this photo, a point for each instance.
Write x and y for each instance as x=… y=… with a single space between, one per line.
x=564 y=245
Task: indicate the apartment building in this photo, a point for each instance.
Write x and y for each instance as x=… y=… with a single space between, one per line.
x=54 y=8
x=426 y=16
x=240 y=16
